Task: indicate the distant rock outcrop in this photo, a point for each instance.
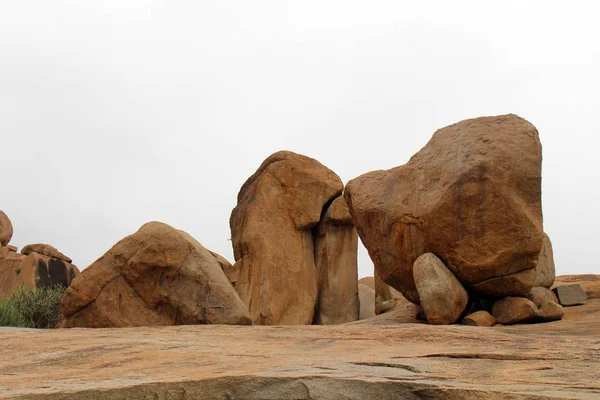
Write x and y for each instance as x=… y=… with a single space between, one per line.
x=157 y=276
x=6 y=229
x=472 y=196
x=277 y=240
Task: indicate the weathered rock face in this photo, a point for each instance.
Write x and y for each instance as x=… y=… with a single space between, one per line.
x=367 y=301
x=45 y=249
x=442 y=296
x=273 y=230
x=157 y=276
x=545 y=270
x=479 y=318
x=386 y=296
x=33 y=270
x=6 y=229
x=336 y=251
x=472 y=196
x=541 y=295
x=511 y=310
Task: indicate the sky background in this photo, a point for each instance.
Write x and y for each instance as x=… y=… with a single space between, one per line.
x=118 y=112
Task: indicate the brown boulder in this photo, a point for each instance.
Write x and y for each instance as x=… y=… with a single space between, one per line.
x=541 y=295
x=157 y=276
x=386 y=297
x=272 y=230
x=45 y=249
x=34 y=271
x=511 y=310
x=442 y=296
x=479 y=318
x=472 y=196
x=367 y=301
x=6 y=229
x=336 y=245
x=550 y=311
x=545 y=270
x=570 y=295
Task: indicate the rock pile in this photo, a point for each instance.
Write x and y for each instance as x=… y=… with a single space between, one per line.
x=38 y=265
x=294 y=244
x=460 y=225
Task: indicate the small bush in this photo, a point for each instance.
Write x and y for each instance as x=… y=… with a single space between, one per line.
x=32 y=308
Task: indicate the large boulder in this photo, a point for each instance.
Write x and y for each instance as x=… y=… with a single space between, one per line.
x=273 y=230
x=33 y=271
x=442 y=296
x=336 y=245
x=45 y=249
x=157 y=276
x=6 y=229
x=472 y=196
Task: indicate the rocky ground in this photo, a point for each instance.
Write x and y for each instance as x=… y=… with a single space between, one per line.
x=380 y=358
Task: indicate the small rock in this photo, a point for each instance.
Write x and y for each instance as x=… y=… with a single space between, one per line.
x=511 y=310
x=570 y=295
x=551 y=311
x=541 y=295
x=6 y=229
x=442 y=296
x=479 y=318
x=46 y=250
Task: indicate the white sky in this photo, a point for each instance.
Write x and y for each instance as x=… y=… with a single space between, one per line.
x=117 y=112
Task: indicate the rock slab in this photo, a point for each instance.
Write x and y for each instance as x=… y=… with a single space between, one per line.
x=570 y=295
x=273 y=236
x=472 y=196
x=442 y=296
x=157 y=276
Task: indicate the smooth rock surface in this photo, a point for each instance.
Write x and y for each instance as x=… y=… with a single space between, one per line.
x=545 y=269
x=442 y=296
x=541 y=295
x=511 y=310
x=479 y=318
x=273 y=239
x=156 y=276
x=550 y=311
x=336 y=245
x=46 y=250
x=379 y=358
x=367 y=302
x=472 y=196
x=570 y=295
x=6 y=229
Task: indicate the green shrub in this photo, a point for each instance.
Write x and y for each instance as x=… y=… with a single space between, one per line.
x=32 y=308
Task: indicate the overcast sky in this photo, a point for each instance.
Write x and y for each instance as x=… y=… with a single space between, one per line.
x=118 y=112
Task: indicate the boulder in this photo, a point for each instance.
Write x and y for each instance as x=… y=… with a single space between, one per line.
x=45 y=249
x=550 y=311
x=367 y=302
x=479 y=318
x=157 y=276
x=589 y=283
x=545 y=270
x=386 y=296
x=34 y=271
x=541 y=295
x=472 y=196
x=511 y=310
x=6 y=229
x=336 y=245
x=442 y=296
x=570 y=295
x=273 y=229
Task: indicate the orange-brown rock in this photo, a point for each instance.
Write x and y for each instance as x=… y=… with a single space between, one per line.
x=272 y=230
x=6 y=229
x=442 y=296
x=157 y=276
x=386 y=297
x=550 y=311
x=545 y=270
x=336 y=245
x=472 y=196
x=479 y=318
x=34 y=271
x=588 y=282
x=540 y=295
x=45 y=249
x=511 y=310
